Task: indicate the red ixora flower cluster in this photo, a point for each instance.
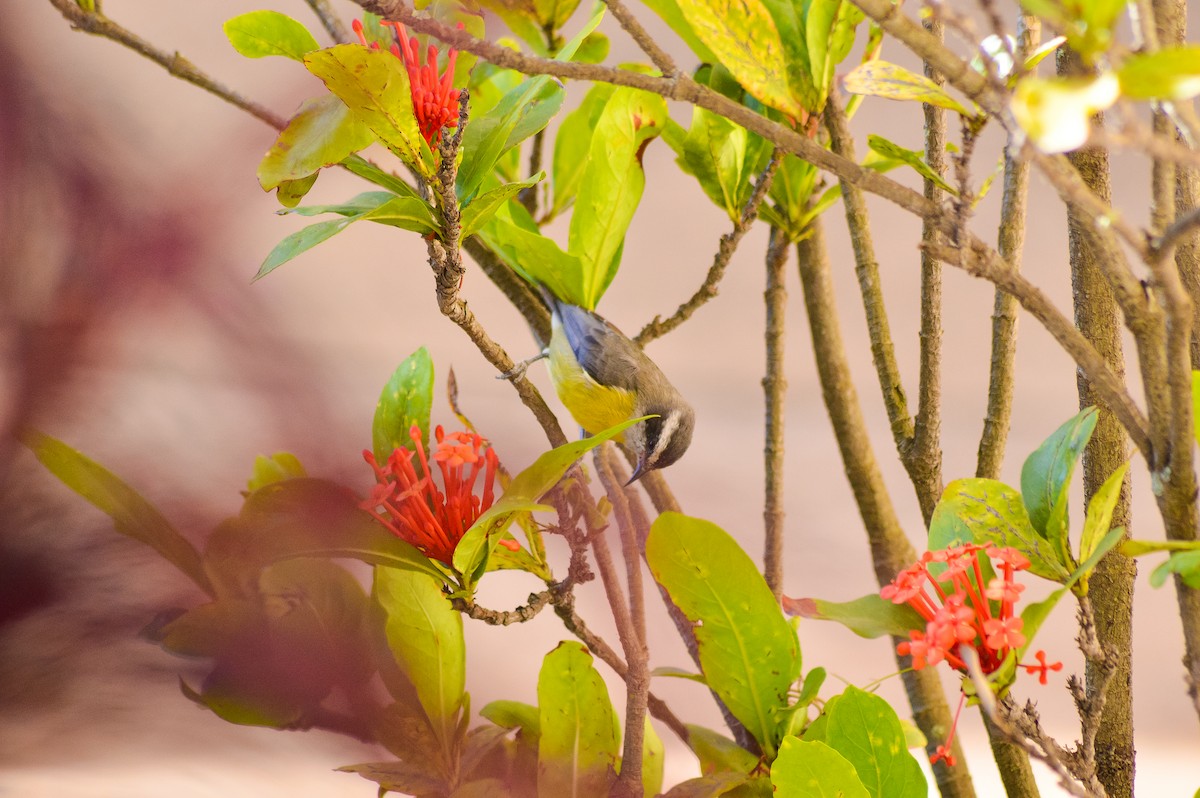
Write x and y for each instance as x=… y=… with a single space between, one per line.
x=434 y=98
x=958 y=612
x=410 y=504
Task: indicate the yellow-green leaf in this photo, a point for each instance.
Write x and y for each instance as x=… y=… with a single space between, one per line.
x=894 y=82
x=374 y=85
x=746 y=39
x=578 y=746
x=261 y=33
x=323 y=132
x=131 y=513
x=1172 y=73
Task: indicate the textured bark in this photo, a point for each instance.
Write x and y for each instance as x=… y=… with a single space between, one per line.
x=1097 y=315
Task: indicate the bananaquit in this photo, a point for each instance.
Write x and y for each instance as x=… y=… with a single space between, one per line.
x=604 y=378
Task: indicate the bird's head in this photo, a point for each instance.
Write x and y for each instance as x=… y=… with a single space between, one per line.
x=660 y=441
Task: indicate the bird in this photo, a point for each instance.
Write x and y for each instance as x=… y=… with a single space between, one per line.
x=603 y=378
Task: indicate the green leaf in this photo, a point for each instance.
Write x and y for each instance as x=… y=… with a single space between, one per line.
x=612 y=184
x=1034 y=614
x=715 y=153
x=406 y=400
x=653 y=761
x=522 y=112
x=522 y=494
x=748 y=651
x=374 y=85
x=719 y=754
x=829 y=35
x=988 y=511
x=578 y=747
x=864 y=729
x=911 y=157
x=301 y=518
x=711 y=786
x=894 y=82
x=290 y=192
x=399 y=777
x=323 y=132
x=1046 y=479
x=1100 y=512
x=792 y=190
x=301 y=241
x=1184 y=563
x=537 y=258
x=424 y=633
x=1136 y=548
x=514 y=715
x=370 y=172
x=484 y=207
x=132 y=515
x=553 y=14
x=318 y=614
x=262 y=33
x=814 y=770
x=407 y=213
x=870 y=616
x=1087 y=23
x=747 y=40
x=571 y=145
x=355 y=206
x=276 y=468
x=594 y=49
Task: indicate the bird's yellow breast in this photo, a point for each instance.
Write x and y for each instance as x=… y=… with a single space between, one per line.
x=594 y=406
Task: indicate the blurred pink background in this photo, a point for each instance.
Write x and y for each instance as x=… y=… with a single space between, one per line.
x=130 y=329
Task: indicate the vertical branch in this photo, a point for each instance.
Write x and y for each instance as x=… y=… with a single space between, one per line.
x=633 y=638
x=890 y=549
x=1096 y=315
x=775 y=388
x=663 y=501
x=1177 y=500
x=923 y=457
x=1011 y=760
x=1013 y=210
x=883 y=352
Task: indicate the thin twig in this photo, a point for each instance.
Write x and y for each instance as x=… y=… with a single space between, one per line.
x=329 y=20
x=445 y=258
x=775 y=390
x=633 y=639
x=923 y=452
x=682 y=625
x=644 y=40
x=526 y=612
x=883 y=350
x=97 y=24
x=1011 y=244
x=725 y=249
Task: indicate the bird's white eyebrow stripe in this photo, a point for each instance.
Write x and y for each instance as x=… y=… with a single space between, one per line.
x=664 y=437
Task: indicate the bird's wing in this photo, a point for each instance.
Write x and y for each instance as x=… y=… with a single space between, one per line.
x=602 y=350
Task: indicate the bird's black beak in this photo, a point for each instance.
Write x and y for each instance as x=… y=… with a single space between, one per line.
x=638 y=472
